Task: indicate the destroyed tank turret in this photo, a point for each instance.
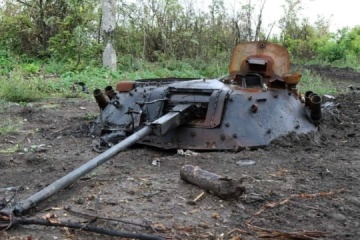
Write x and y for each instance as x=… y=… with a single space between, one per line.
x=256 y=103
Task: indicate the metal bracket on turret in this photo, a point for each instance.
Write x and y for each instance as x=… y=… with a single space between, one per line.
x=180 y=114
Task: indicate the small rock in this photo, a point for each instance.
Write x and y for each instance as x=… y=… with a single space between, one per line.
x=155 y=162
x=91 y=197
x=203 y=225
x=245 y=162
x=79 y=201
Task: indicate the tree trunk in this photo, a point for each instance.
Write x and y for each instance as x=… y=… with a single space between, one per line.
x=108 y=26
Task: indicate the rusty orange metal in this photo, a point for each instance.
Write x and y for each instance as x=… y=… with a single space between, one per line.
x=277 y=56
x=125 y=86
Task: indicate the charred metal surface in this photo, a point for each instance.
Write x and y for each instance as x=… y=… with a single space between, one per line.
x=250 y=127
x=254 y=105
x=100 y=98
x=180 y=114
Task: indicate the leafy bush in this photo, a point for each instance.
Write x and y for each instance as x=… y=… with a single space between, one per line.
x=7 y=61
x=30 y=68
x=331 y=51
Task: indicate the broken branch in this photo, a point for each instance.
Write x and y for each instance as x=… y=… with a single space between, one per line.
x=199 y=196
x=270 y=233
x=55 y=223
x=68 y=209
x=293 y=196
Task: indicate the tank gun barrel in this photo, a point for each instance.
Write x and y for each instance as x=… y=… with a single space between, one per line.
x=79 y=172
x=180 y=114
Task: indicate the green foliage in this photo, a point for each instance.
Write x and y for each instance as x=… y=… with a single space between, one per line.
x=342 y=49
x=8 y=125
x=313 y=82
x=48 y=46
x=19 y=88
x=331 y=51
x=61 y=28
x=73 y=42
x=54 y=66
x=167 y=29
x=7 y=61
x=67 y=34
x=30 y=68
x=10 y=150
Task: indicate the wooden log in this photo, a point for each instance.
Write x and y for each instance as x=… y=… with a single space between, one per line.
x=220 y=186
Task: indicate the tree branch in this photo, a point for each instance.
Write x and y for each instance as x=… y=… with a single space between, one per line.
x=68 y=209
x=25 y=3
x=55 y=223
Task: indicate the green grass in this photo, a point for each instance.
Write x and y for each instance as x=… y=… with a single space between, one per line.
x=8 y=125
x=50 y=106
x=10 y=150
x=97 y=77
x=31 y=80
x=17 y=87
x=313 y=82
x=90 y=116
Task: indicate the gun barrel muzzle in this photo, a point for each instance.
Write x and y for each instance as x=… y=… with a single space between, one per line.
x=100 y=98
x=315 y=106
x=307 y=98
x=109 y=91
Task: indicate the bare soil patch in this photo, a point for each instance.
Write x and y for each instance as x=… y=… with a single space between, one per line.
x=305 y=185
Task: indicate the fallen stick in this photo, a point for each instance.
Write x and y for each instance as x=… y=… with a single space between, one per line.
x=56 y=223
x=294 y=196
x=276 y=234
x=199 y=196
x=70 y=210
x=222 y=187
x=320 y=194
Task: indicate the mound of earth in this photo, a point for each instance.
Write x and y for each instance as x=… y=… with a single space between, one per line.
x=299 y=187
x=330 y=72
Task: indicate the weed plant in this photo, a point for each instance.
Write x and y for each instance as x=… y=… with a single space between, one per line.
x=10 y=150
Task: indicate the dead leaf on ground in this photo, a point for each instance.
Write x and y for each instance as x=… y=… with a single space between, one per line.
x=236 y=238
x=160 y=227
x=281 y=172
x=49 y=216
x=70 y=234
x=184 y=228
x=215 y=215
x=271 y=205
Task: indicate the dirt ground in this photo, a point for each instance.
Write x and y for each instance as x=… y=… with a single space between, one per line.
x=300 y=186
